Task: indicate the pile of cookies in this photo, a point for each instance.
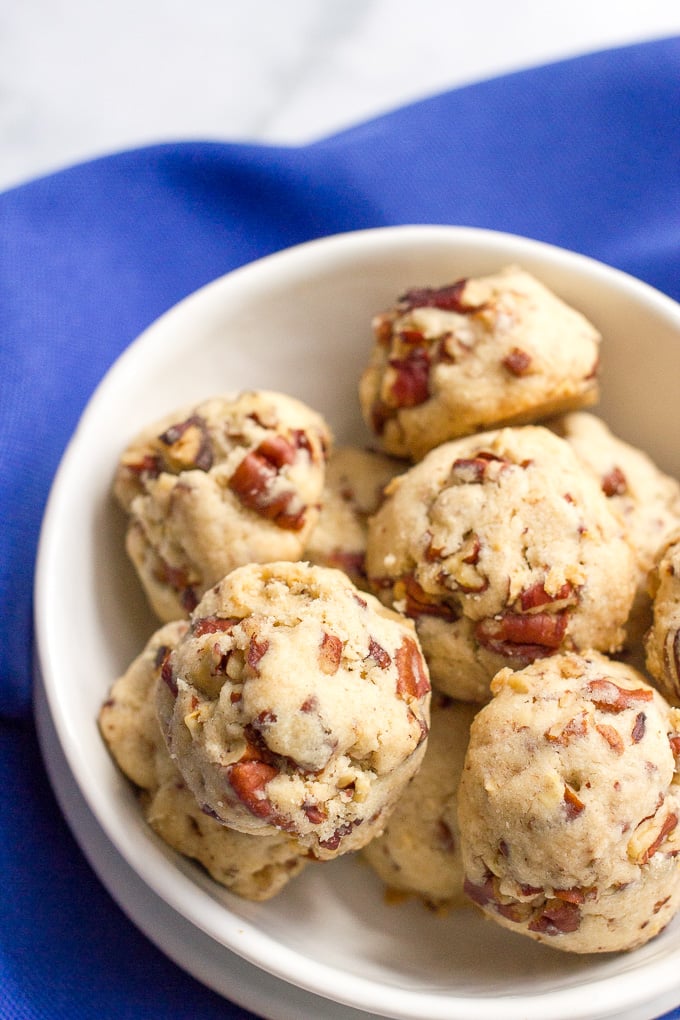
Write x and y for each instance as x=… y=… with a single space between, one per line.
x=430 y=652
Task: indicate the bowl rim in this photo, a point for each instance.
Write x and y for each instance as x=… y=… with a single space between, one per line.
x=286 y=963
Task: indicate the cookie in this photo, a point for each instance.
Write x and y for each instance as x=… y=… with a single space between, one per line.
x=503 y=549
x=647 y=499
x=568 y=805
x=253 y=867
x=296 y=704
x=662 y=642
x=232 y=480
x=355 y=482
x=477 y=354
x=419 y=851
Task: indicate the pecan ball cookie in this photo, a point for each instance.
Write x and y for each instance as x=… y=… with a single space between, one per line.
x=503 y=549
x=232 y=480
x=475 y=355
x=354 y=487
x=255 y=868
x=419 y=851
x=296 y=704
x=569 y=805
x=647 y=499
x=662 y=643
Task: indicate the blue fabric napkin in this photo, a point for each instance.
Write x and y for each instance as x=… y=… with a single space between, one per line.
x=584 y=153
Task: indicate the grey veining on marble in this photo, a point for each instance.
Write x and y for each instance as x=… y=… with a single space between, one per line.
x=79 y=78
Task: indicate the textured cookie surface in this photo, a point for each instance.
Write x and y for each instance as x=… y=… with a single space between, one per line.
x=355 y=482
x=503 y=549
x=252 y=867
x=419 y=851
x=475 y=355
x=569 y=807
x=232 y=480
x=647 y=499
x=662 y=642
x=295 y=703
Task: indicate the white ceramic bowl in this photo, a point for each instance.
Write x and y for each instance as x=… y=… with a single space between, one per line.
x=298 y=321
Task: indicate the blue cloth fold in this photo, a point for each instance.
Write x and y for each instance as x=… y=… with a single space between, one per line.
x=584 y=153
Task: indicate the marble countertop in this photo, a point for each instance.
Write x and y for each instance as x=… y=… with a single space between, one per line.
x=79 y=80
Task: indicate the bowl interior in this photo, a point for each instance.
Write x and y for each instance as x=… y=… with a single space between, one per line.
x=299 y=322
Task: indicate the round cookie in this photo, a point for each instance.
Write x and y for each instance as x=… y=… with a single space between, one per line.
x=232 y=480
x=355 y=482
x=295 y=704
x=474 y=355
x=662 y=642
x=647 y=499
x=419 y=851
x=253 y=867
x=568 y=805
x=503 y=549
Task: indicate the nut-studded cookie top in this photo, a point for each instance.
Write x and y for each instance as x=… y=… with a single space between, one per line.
x=254 y=868
x=646 y=498
x=297 y=703
x=232 y=480
x=477 y=354
x=569 y=805
x=503 y=549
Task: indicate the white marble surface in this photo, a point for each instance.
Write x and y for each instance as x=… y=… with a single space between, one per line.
x=80 y=79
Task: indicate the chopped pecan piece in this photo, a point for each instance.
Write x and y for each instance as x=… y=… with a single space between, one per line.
x=333 y=842
x=614 y=483
x=669 y=825
x=556 y=918
x=167 y=675
x=412 y=678
x=448 y=298
x=612 y=737
x=609 y=697
x=517 y=362
x=419 y=603
x=674 y=741
x=575 y=728
x=181 y=580
x=148 y=464
x=256 y=650
x=213 y=625
x=411 y=384
x=514 y=635
x=473 y=470
x=471 y=548
x=480 y=894
x=536 y=596
x=462 y=572
x=316 y=813
x=487 y=895
x=330 y=653
x=377 y=652
x=573 y=804
x=248 y=780
x=253 y=482
x=577 y=894
x=639 y=727
x=188 y=445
